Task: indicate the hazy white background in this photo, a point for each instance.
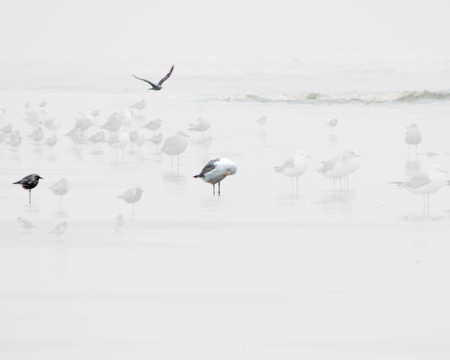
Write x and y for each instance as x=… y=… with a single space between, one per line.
x=151 y=29
x=261 y=272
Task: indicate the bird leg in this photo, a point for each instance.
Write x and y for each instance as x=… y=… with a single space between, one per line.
x=29 y=196
x=214 y=189
x=218 y=192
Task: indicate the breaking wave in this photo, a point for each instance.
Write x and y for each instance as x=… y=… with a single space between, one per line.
x=336 y=98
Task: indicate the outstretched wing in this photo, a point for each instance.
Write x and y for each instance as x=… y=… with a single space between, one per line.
x=165 y=77
x=148 y=82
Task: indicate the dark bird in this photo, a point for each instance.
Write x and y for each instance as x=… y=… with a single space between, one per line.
x=216 y=170
x=159 y=86
x=29 y=182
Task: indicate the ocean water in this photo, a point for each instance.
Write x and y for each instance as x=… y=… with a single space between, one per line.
x=263 y=270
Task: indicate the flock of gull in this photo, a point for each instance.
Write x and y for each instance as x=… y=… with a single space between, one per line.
x=118 y=135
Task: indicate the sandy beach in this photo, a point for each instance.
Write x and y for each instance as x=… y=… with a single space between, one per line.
x=262 y=271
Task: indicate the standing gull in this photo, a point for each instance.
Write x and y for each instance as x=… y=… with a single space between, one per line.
x=205 y=142
x=29 y=182
x=295 y=166
x=200 y=125
x=159 y=86
x=332 y=123
x=140 y=105
x=413 y=136
x=216 y=170
x=261 y=122
x=60 y=188
x=156 y=139
x=119 y=140
x=426 y=183
x=340 y=166
x=175 y=145
x=153 y=125
x=132 y=196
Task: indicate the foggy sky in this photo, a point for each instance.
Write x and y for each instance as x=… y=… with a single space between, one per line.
x=147 y=29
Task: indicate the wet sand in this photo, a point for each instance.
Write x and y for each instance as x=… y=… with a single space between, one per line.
x=263 y=271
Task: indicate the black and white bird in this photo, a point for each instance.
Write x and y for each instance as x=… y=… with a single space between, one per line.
x=159 y=86
x=29 y=182
x=216 y=170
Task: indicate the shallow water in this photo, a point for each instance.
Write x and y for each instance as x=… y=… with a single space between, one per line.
x=263 y=270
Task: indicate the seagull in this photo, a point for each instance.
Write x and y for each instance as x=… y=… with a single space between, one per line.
x=97 y=139
x=6 y=129
x=426 y=183
x=153 y=125
x=200 y=125
x=261 y=122
x=159 y=86
x=294 y=167
x=59 y=230
x=132 y=196
x=53 y=123
x=113 y=123
x=156 y=139
x=332 y=123
x=37 y=135
x=15 y=141
x=50 y=142
x=205 y=142
x=216 y=170
x=60 y=188
x=413 y=136
x=119 y=140
x=175 y=145
x=29 y=182
x=340 y=166
x=140 y=105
